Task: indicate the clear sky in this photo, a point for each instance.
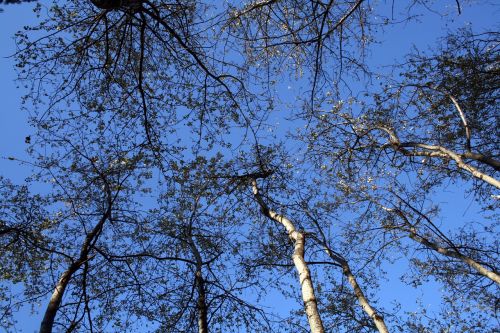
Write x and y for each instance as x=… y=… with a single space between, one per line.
x=13 y=122
x=396 y=42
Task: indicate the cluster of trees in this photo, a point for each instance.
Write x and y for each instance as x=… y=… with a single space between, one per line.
x=165 y=197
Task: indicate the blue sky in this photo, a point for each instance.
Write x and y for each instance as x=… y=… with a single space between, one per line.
x=13 y=128
x=394 y=43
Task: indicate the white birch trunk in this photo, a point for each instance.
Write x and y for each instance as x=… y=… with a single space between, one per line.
x=298 y=238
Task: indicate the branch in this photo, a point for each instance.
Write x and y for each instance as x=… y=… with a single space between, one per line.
x=464 y=121
x=492 y=275
x=441 y=152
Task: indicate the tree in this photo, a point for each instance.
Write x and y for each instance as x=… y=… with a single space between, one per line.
x=170 y=205
x=437 y=125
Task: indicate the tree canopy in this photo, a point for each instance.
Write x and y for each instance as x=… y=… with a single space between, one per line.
x=237 y=167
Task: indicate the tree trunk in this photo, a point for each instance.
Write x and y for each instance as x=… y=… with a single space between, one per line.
x=55 y=300
x=378 y=320
x=201 y=304
x=298 y=238
x=310 y=303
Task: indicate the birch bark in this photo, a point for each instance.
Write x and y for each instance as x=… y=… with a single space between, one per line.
x=298 y=238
